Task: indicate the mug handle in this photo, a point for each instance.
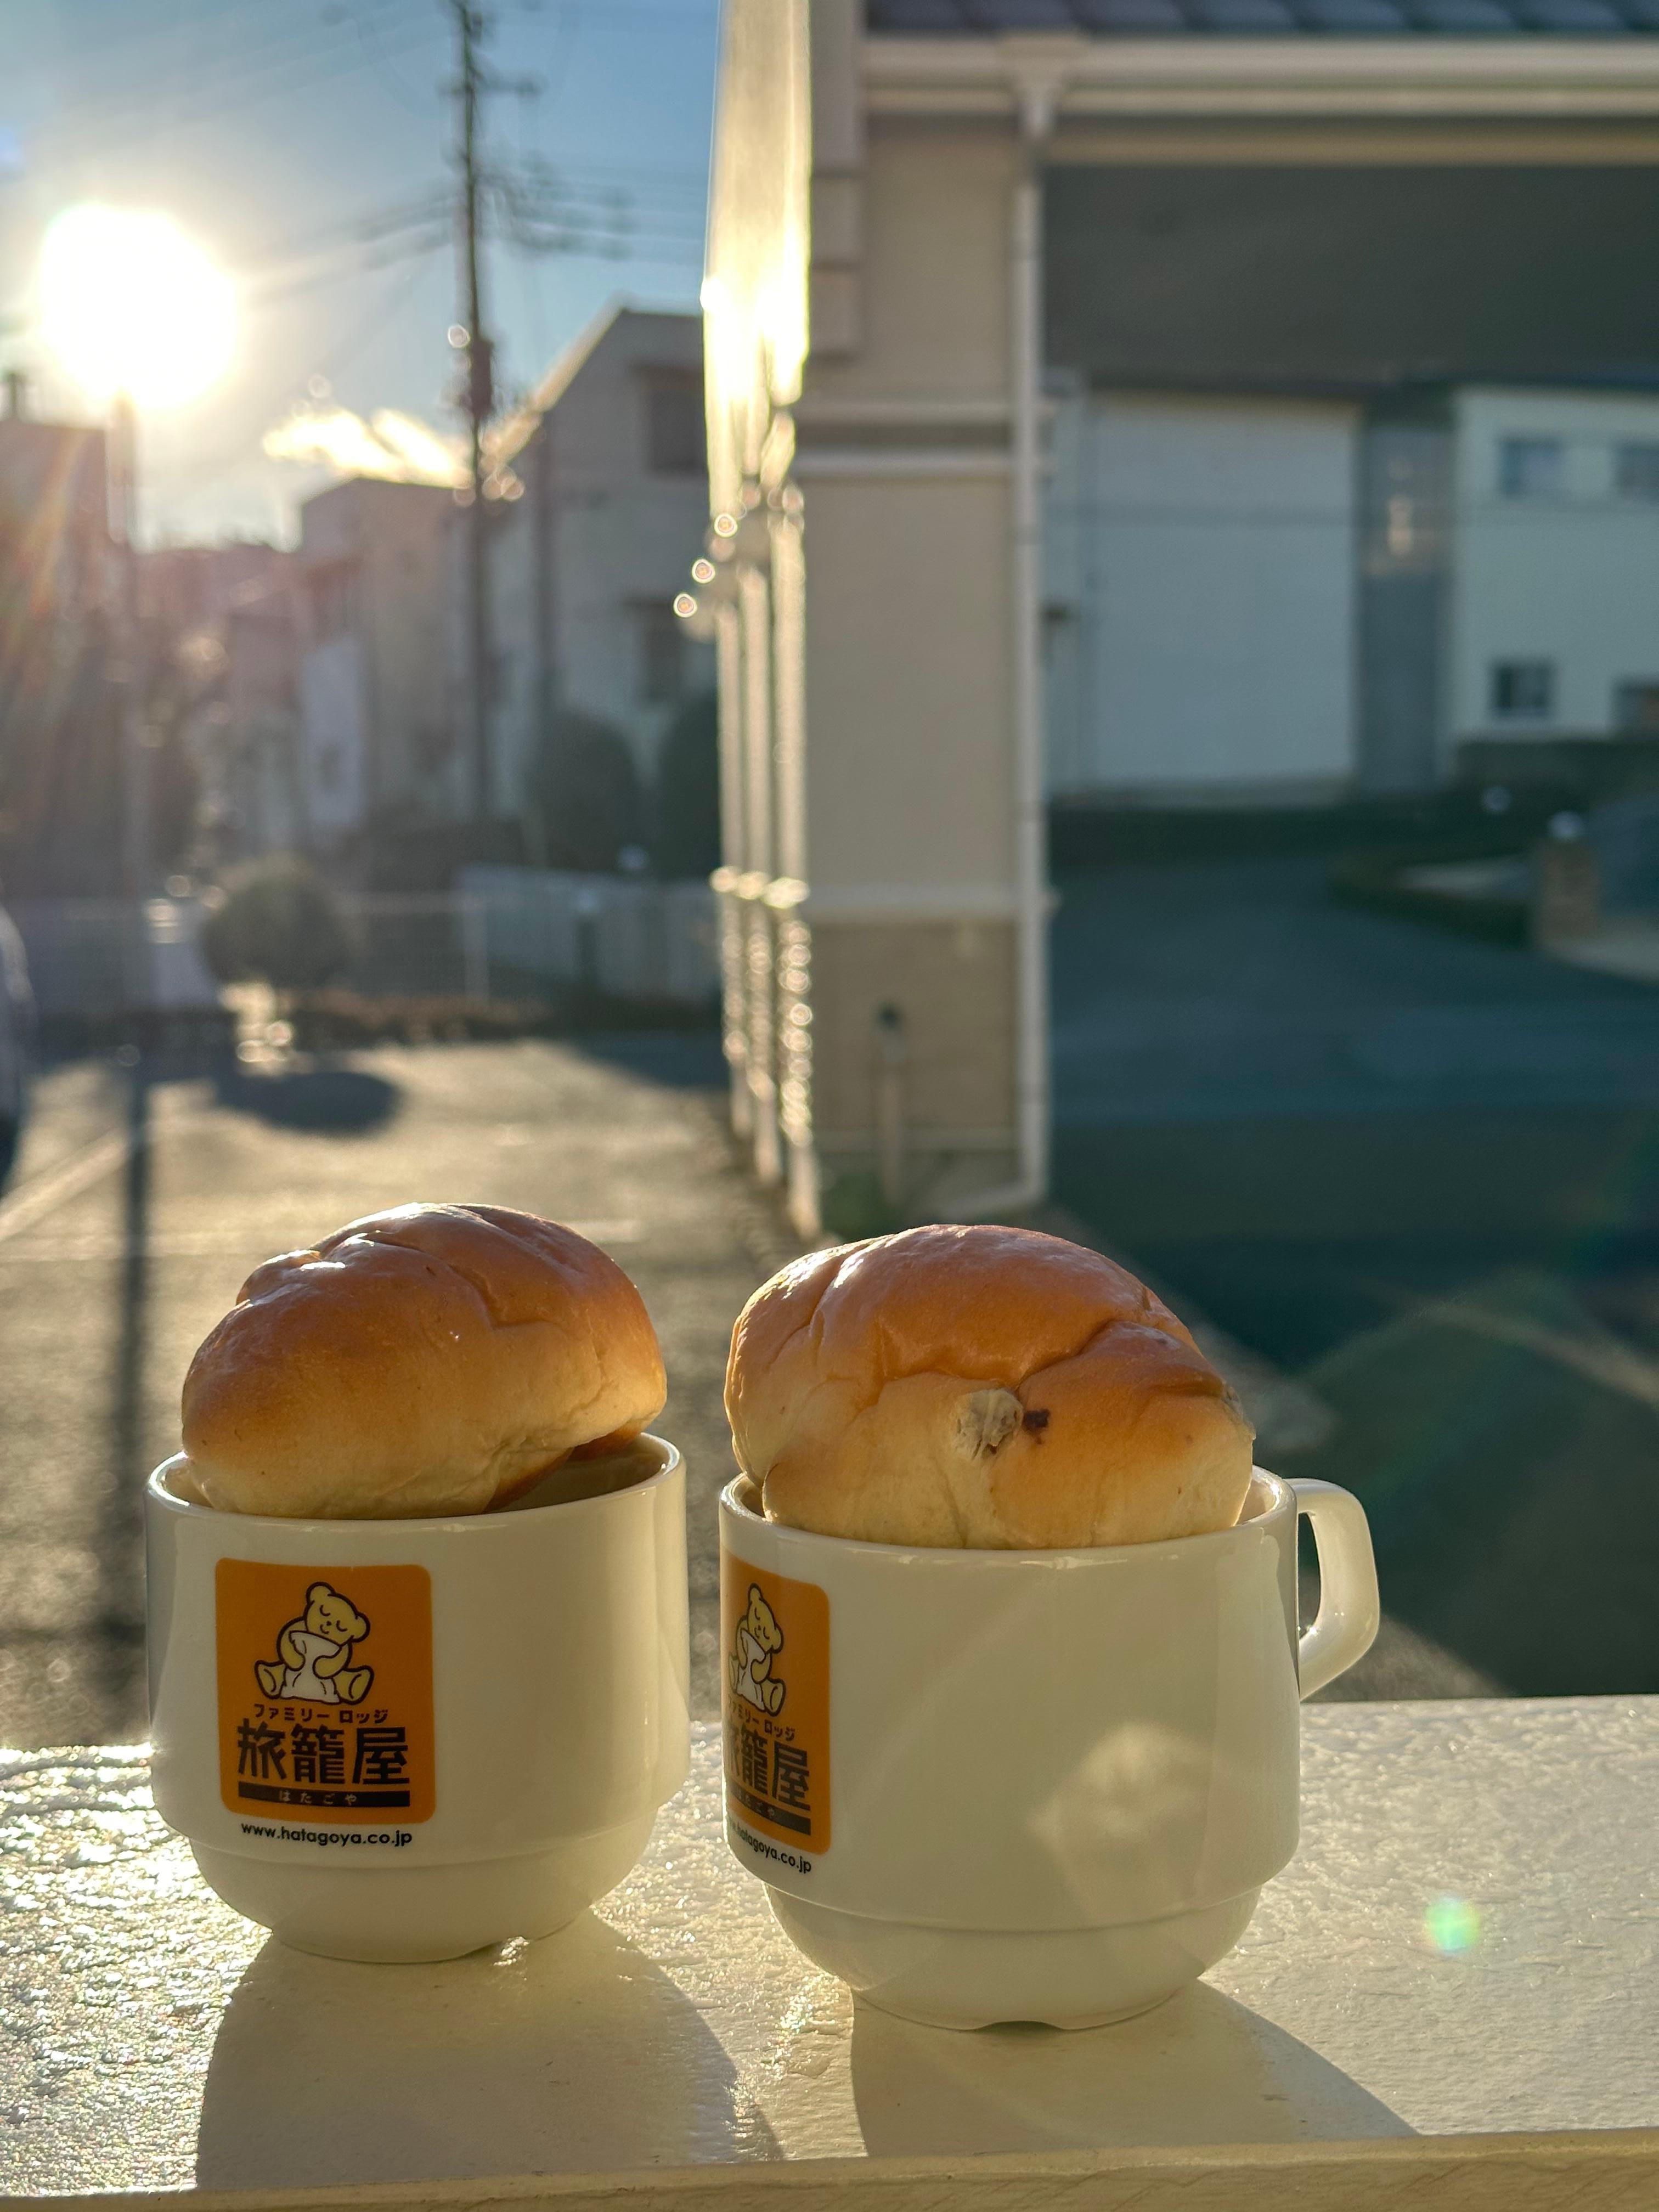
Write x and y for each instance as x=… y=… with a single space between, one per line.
x=1345 y=1626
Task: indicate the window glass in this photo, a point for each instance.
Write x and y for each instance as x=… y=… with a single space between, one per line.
x=1524 y=690
x=1636 y=468
x=1531 y=468
x=1636 y=705
x=674 y=424
x=662 y=660
x=332 y=590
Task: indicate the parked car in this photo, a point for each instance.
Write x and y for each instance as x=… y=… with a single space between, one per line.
x=16 y=1034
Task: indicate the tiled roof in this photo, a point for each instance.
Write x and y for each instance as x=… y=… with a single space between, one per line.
x=1572 y=19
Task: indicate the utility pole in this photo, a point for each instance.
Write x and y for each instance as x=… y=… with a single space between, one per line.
x=470 y=27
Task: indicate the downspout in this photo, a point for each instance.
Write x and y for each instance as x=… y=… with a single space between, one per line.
x=1036 y=93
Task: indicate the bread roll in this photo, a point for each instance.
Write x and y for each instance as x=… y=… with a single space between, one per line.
x=434 y=1359
x=986 y=1388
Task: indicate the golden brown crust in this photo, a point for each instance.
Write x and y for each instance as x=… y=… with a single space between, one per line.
x=428 y=1360
x=985 y=1387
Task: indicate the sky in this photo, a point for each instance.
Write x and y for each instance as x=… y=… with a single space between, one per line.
x=306 y=146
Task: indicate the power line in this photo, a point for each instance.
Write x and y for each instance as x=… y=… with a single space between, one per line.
x=383 y=256
x=291 y=73
x=355 y=229
x=552 y=196
x=138 y=32
x=331 y=46
x=213 y=71
x=368 y=38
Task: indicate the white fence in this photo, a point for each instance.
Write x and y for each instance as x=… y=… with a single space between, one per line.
x=103 y=956
x=625 y=936
x=511 y=930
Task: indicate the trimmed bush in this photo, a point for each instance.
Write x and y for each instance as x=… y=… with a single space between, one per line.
x=685 y=830
x=278 y=923
x=585 y=791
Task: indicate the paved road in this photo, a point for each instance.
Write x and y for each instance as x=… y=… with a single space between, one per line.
x=142 y=1201
x=1422 y=1174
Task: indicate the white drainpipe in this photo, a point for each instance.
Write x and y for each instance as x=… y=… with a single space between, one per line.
x=1036 y=91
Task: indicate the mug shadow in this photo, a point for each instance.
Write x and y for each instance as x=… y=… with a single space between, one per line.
x=1201 y=2068
x=575 y=2054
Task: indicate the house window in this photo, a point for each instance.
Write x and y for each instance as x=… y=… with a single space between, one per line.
x=332 y=589
x=674 y=442
x=1531 y=468
x=662 y=652
x=1636 y=707
x=1524 y=690
x=1636 y=469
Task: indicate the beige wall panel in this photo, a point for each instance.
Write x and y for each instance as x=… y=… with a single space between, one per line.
x=908 y=760
x=935 y=268
x=954 y=984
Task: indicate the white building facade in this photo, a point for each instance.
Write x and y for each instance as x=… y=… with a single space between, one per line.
x=1282 y=600
x=1553 y=565
x=1200 y=599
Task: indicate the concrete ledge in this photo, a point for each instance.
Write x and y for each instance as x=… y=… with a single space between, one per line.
x=1449 y=2000
x=1490 y=2174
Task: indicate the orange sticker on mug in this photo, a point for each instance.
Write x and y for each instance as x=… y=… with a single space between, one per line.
x=325 y=1691
x=774 y=1693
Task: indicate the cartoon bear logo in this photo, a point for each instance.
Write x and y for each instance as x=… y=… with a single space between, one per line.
x=313 y=1651
x=758 y=1640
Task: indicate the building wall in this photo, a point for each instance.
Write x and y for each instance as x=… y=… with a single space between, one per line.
x=250 y=746
x=61 y=782
x=373 y=565
x=620 y=534
x=907 y=687
x=932 y=289
x=1404 y=550
x=954 y=980
x=1563 y=576
x=334 y=754
x=1201 y=596
x=54 y=528
x=869 y=609
x=415 y=752
x=902 y=461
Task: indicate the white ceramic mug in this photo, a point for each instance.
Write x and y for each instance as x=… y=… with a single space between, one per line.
x=985 y=1785
x=408 y=1739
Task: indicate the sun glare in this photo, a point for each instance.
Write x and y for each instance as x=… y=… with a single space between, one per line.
x=129 y=303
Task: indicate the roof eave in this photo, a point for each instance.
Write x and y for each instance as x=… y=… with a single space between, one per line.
x=1541 y=79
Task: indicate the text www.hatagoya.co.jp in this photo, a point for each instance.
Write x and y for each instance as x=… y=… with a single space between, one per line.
x=397 y=1838
x=766 y=1851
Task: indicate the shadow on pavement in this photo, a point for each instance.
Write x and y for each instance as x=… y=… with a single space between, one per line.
x=680 y=1059
x=121 y=1606
x=1502 y=1440
x=335 y=1101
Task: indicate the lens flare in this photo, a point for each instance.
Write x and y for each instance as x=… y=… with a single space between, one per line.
x=1451 y=1925
x=129 y=303
x=390 y=445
